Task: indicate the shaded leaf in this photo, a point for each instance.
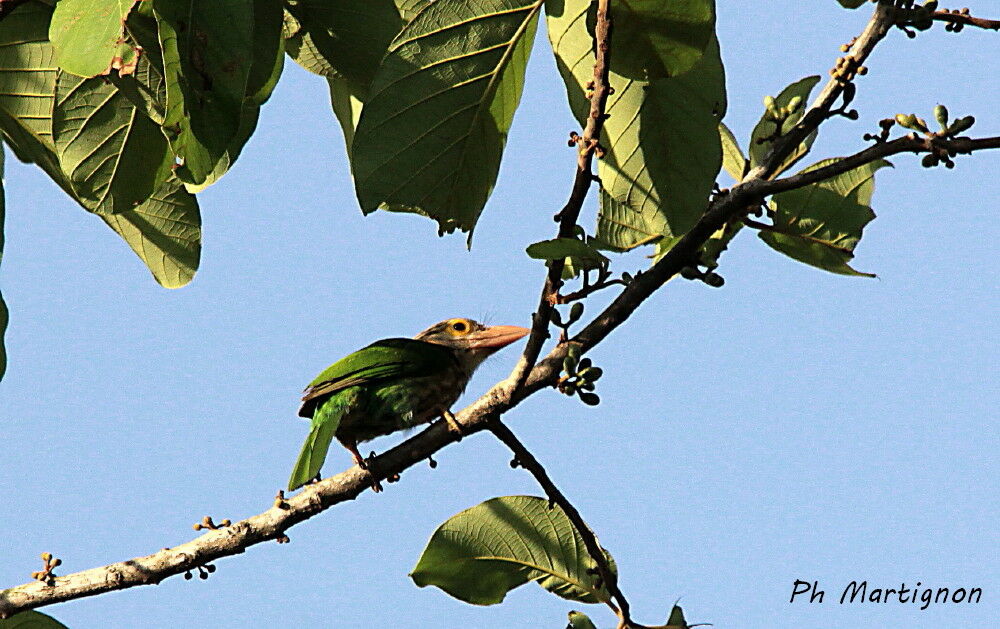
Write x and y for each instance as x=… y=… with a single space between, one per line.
x=662 y=146
x=165 y=232
x=31 y=620
x=434 y=126
x=676 y=620
x=484 y=552
x=265 y=70
x=345 y=39
x=822 y=223
x=767 y=128
x=653 y=39
x=717 y=243
x=559 y=248
x=852 y=4
x=207 y=48
x=88 y=35
x=114 y=156
x=733 y=160
x=579 y=620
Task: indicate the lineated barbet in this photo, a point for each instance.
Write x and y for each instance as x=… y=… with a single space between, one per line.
x=391 y=385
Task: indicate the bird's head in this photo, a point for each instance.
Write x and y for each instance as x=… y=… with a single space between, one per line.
x=471 y=341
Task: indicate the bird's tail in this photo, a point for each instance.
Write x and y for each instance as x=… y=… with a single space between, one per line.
x=313 y=450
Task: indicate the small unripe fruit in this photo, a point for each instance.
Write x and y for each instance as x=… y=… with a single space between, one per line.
x=941 y=115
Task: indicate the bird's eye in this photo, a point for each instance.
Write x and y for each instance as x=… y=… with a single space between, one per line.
x=459 y=326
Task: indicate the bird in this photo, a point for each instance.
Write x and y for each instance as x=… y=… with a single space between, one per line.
x=393 y=384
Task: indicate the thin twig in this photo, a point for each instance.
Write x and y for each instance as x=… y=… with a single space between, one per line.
x=568 y=216
x=966 y=19
x=528 y=461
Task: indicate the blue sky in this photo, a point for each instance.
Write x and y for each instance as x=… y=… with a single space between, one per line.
x=792 y=425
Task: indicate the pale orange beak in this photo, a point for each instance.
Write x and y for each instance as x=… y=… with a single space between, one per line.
x=497 y=336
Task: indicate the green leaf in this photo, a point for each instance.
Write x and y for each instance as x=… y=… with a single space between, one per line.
x=207 y=48
x=484 y=552
x=165 y=232
x=88 y=35
x=767 y=128
x=852 y=4
x=408 y=9
x=733 y=161
x=579 y=620
x=31 y=620
x=114 y=156
x=658 y=39
x=662 y=146
x=433 y=129
x=4 y=315
x=345 y=39
x=265 y=70
x=27 y=87
x=676 y=620
x=559 y=248
x=714 y=247
x=346 y=107
x=822 y=223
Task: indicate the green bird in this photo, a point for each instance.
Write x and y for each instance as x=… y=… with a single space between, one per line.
x=391 y=385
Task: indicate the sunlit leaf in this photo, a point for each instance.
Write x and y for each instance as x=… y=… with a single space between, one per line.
x=733 y=161
x=408 y=9
x=88 y=36
x=821 y=224
x=662 y=145
x=434 y=126
x=579 y=620
x=207 y=48
x=165 y=232
x=484 y=552
x=114 y=156
x=762 y=138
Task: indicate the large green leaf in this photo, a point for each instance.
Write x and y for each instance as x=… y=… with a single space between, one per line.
x=265 y=70
x=484 y=552
x=408 y=9
x=821 y=224
x=31 y=620
x=661 y=140
x=88 y=35
x=659 y=38
x=164 y=231
x=346 y=106
x=115 y=156
x=762 y=138
x=208 y=51
x=433 y=129
x=3 y=306
x=345 y=39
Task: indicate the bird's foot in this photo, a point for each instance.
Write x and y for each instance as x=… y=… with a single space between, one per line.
x=452 y=423
x=364 y=464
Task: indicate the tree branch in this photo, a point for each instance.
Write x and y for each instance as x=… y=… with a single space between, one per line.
x=347 y=485
x=567 y=217
x=528 y=461
x=911 y=143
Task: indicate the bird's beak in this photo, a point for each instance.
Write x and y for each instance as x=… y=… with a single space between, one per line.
x=497 y=336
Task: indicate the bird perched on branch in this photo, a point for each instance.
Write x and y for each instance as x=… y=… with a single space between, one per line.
x=391 y=385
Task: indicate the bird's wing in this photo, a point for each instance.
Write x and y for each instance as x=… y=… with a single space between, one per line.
x=382 y=360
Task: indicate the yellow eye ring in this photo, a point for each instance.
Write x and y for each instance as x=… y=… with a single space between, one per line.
x=460 y=326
